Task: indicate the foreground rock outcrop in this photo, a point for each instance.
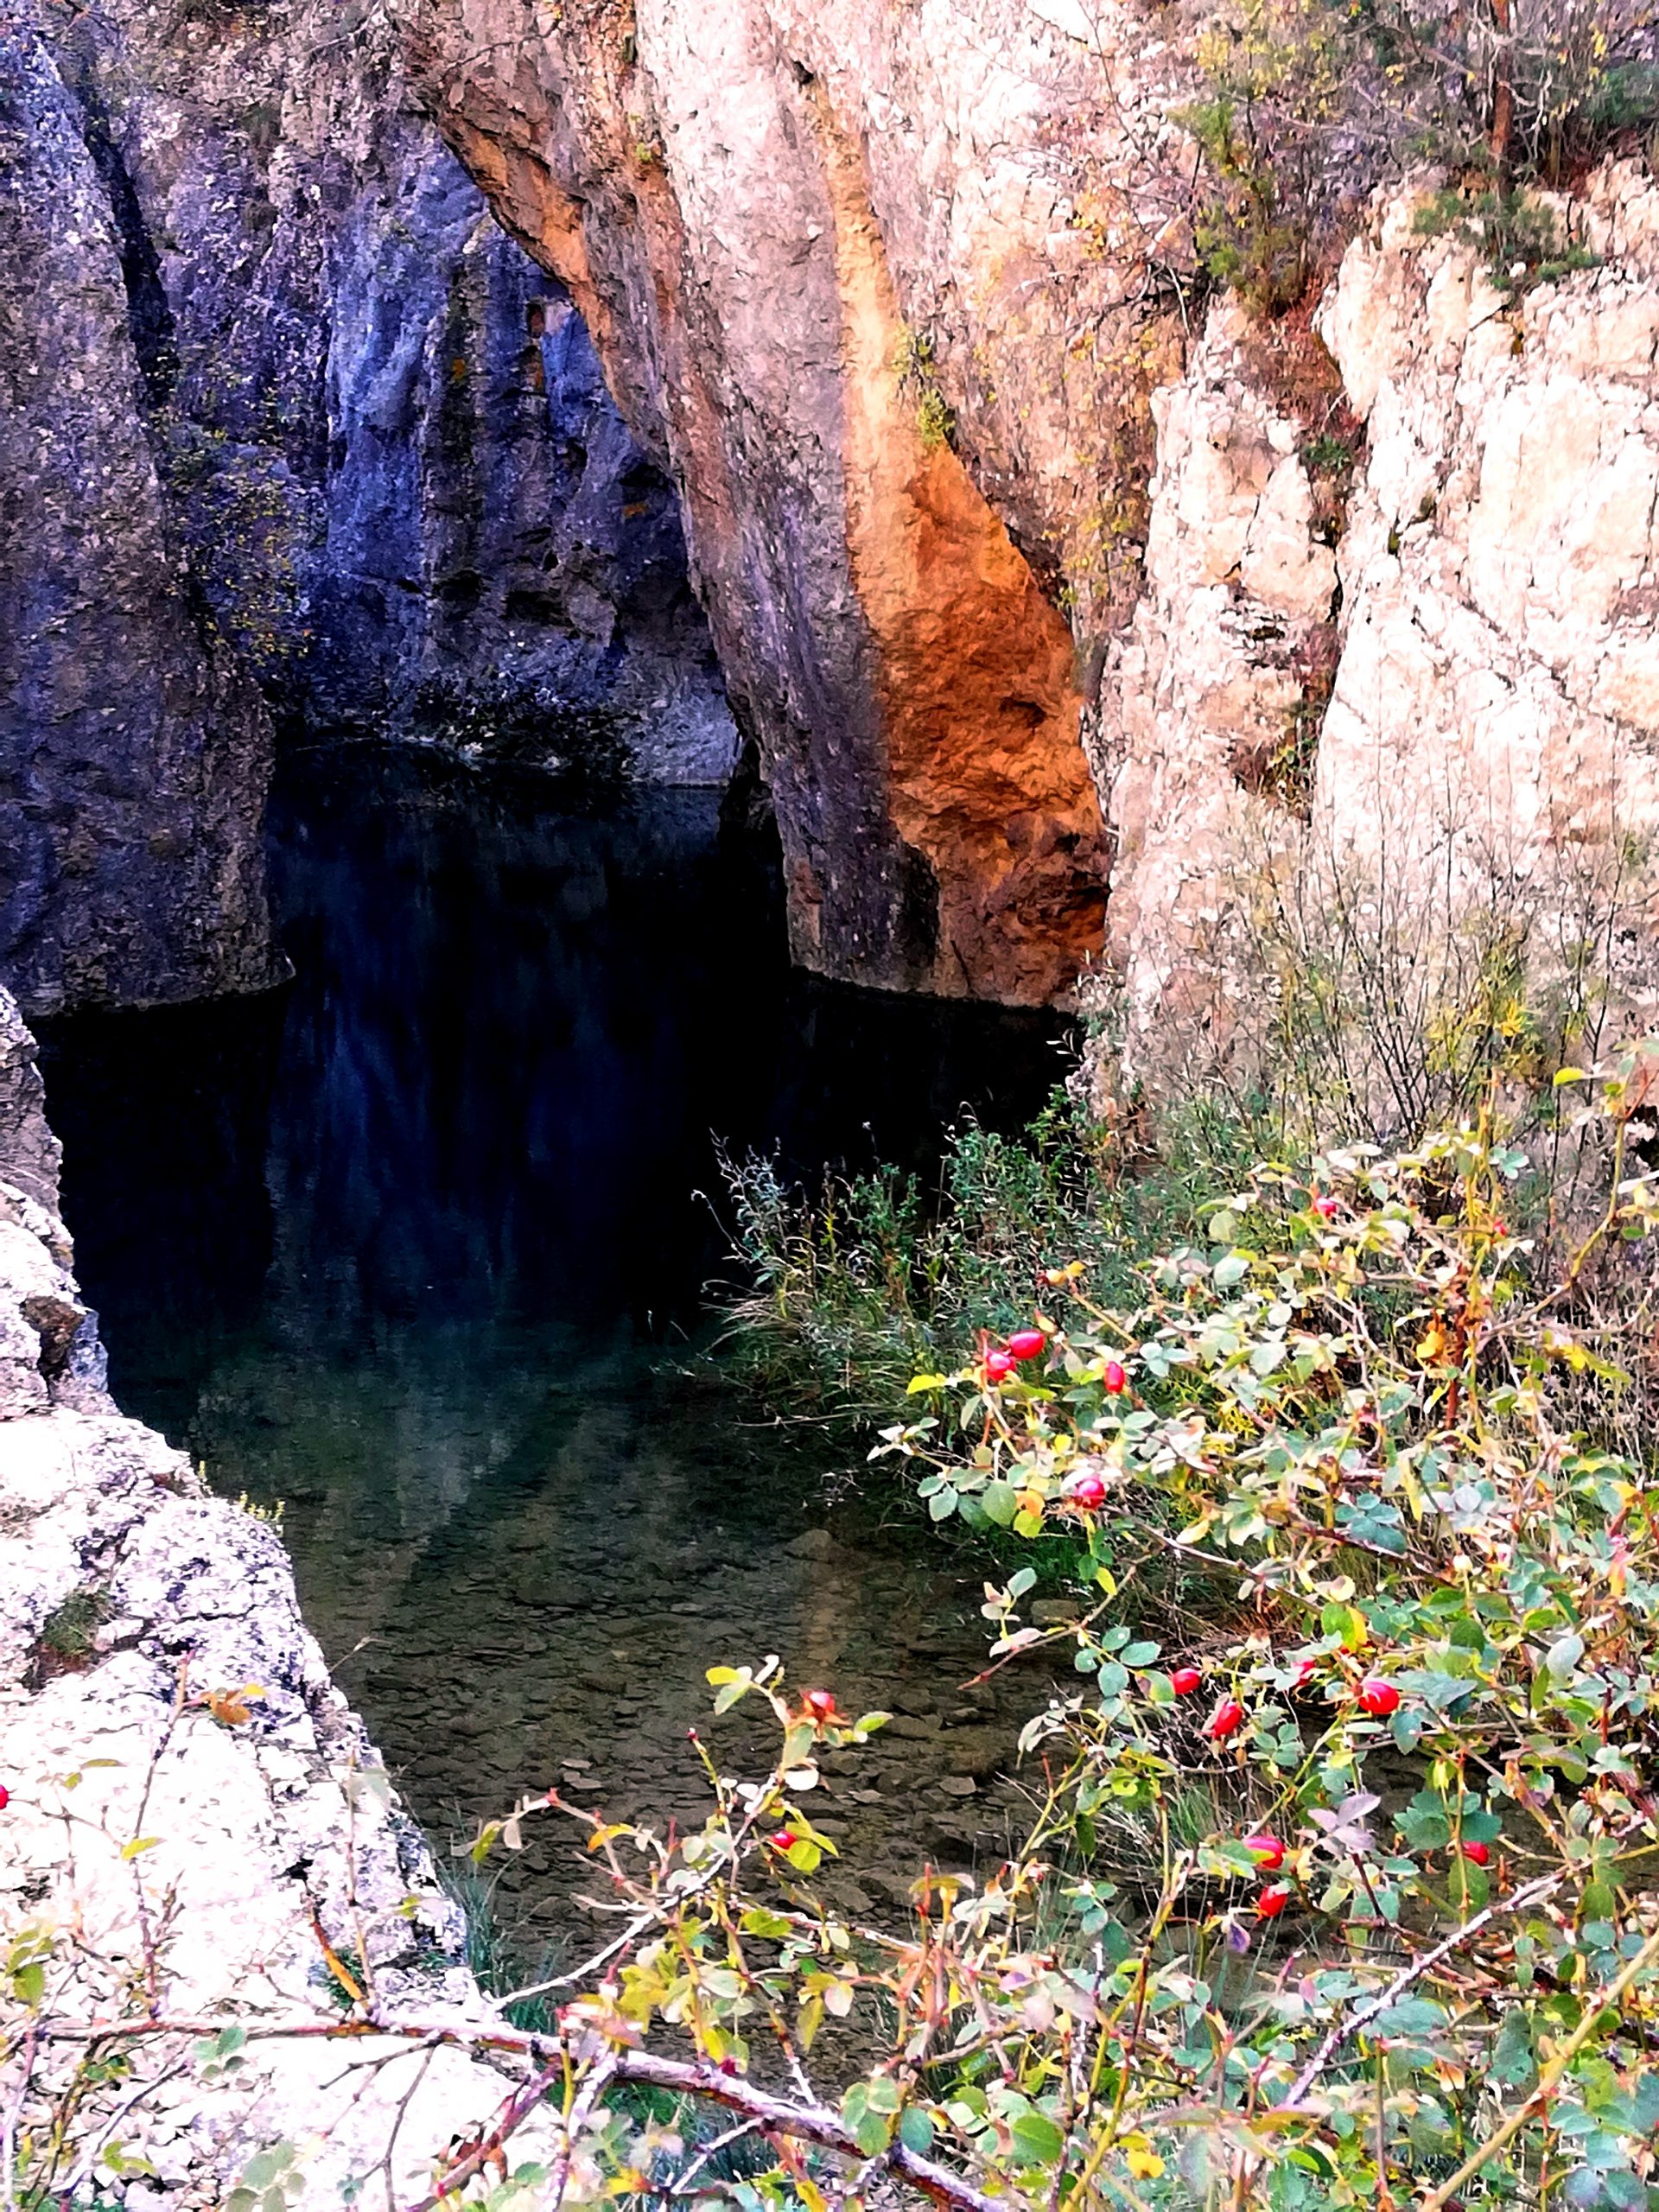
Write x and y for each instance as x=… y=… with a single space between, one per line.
x=193 y=1811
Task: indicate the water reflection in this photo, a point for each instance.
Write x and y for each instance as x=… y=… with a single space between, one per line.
x=400 y=1246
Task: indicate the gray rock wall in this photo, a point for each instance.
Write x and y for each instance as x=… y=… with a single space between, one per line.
x=289 y=432
x=134 y=749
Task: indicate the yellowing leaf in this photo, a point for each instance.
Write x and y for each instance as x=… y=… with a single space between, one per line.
x=231 y=1708
x=1144 y=2161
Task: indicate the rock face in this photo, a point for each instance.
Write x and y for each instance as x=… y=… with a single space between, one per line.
x=809 y=244
x=134 y=751
x=1484 y=624
x=130 y=1600
x=805 y=242
x=393 y=459
x=283 y=413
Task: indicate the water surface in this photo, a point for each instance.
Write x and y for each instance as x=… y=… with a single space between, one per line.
x=416 y=1246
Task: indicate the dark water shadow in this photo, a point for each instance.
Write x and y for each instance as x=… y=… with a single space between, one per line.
x=401 y=1245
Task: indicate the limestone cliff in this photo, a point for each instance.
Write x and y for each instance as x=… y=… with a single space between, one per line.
x=1436 y=680
x=848 y=277
x=895 y=288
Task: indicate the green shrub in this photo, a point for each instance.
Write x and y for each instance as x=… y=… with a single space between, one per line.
x=844 y=1295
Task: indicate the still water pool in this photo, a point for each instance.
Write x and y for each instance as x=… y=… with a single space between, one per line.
x=418 y=1245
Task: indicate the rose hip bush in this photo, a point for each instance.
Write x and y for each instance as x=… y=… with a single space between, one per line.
x=1404 y=1601
x=1338 y=1885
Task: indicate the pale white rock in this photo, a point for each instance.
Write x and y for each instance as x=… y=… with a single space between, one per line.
x=1493 y=719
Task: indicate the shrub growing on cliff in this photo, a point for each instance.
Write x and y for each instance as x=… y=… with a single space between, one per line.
x=1308 y=103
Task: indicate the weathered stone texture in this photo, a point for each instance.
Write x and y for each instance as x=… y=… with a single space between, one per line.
x=1492 y=731
x=393 y=459
x=801 y=240
x=133 y=750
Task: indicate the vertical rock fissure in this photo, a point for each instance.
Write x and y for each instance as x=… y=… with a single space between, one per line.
x=150 y=318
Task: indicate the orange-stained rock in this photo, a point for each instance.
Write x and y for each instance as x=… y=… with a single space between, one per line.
x=755 y=204
x=975 y=670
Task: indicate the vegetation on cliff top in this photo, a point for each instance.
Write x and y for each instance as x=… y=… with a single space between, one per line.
x=1305 y=100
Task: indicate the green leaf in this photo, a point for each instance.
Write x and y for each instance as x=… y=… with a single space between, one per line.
x=920 y=1383
x=1140 y=1655
x=1348 y=1623
x=916 y=2130
x=1512 y=2060
x=267 y=2166
x=1037 y=2141
x=758 y=1922
x=1001 y=1503
x=1412 y=2016
x=943 y=1504
x=1232 y=1269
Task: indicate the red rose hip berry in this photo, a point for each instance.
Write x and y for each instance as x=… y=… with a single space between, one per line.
x=999 y=1365
x=1028 y=1344
x=820 y=1704
x=1378 y=1697
x=783 y=1839
x=1477 y=1854
x=1267 y=1851
x=1113 y=1377
x=5 y=1796
x=1227 y=1718
x=1273 y=1900
x=1185 y=1681
x=1088 y=1491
